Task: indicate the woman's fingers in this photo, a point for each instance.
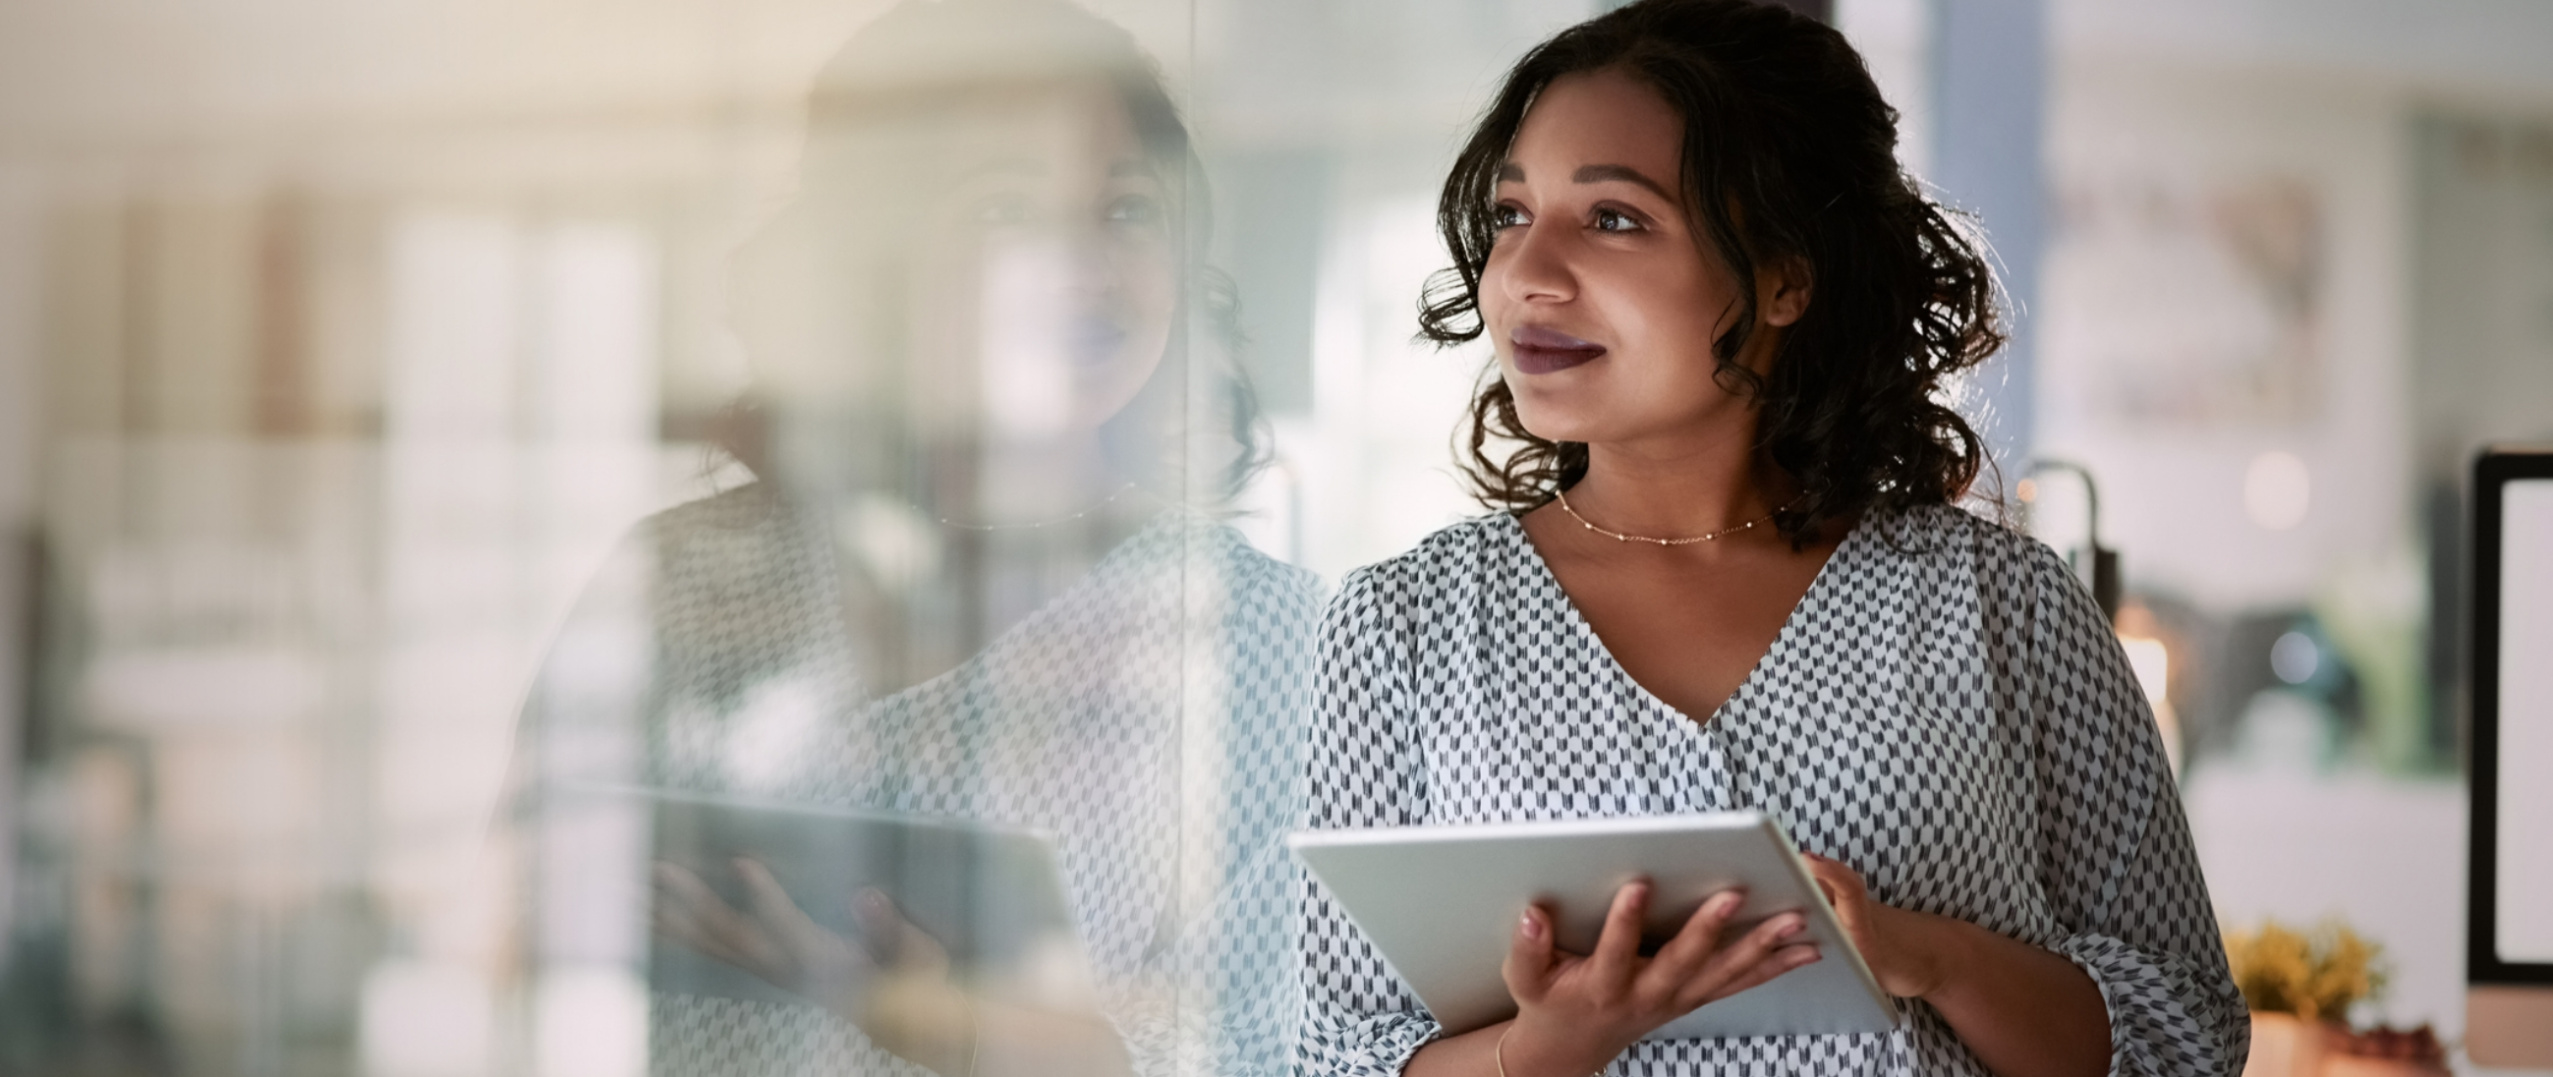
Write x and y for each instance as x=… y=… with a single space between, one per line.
x=1844 y=890
x=1701 y=964
x=1529 y=956
x=881 y=926
x=1782 y=959
x=896 y=941
x=1694 y=943
x=1756 y=945
x=1618 y=948
x=1735 y=966
x=671 y=911
x=688 y=911
x=1838 y=880
x=771 y=905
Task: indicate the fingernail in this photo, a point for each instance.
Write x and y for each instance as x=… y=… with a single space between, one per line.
x=1531 y=927
x=873 y=900
x=1726 y=902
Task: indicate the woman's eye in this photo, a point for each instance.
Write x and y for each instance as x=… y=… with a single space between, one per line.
x=1614 y=220
x=1003 y=210
x=1134 y=209
x=1504 y=217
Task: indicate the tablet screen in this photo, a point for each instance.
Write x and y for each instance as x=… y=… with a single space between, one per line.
x=989 y=897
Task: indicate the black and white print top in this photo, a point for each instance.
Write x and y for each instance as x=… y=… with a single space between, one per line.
x=1148 y=717
x=1946 y=711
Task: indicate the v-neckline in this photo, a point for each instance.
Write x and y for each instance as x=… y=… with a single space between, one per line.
x=1817 y=586
x=1012 y=636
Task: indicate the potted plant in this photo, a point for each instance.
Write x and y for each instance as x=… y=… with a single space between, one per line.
x=2300 y=987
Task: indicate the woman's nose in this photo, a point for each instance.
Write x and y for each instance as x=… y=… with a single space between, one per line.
x=1094 y=264
x=1534 y=267
x=1059 y=262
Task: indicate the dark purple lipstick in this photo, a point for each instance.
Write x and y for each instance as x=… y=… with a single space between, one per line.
x=1542 y=351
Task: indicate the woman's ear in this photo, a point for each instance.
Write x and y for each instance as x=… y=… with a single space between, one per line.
x=1782 y=287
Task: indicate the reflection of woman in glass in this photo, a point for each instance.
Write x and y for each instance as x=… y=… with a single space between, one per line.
x=1733 y=576
x=978 y=575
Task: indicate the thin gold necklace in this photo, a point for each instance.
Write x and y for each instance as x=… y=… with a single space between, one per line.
x=1707 y=536
x=1103 y=503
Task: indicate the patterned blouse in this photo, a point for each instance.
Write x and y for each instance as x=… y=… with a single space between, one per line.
x=1945 y=711
x=1148 y=717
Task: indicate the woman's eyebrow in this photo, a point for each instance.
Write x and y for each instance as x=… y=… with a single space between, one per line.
x=1511 y=172
x=1026 y=167
x=1620 y=174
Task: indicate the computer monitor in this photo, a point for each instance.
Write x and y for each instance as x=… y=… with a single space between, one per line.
x=2509 y=961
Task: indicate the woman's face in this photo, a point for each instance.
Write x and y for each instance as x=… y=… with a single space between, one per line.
x=1002 y=268
x=1046 y=283
x=1598 y=294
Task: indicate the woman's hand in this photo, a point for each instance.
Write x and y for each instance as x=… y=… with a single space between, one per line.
x=2022 y=1010
x=1899 y=946
x=1575 y=1013
x=893 y=981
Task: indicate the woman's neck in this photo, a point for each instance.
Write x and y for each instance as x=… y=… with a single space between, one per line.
x=1681 y=487
x=1019 y=483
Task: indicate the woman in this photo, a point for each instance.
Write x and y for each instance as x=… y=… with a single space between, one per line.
x=980 y=573
x=1733 y=575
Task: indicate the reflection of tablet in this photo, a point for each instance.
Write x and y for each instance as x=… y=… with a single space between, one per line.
x=991 y=896
x=1441 y=903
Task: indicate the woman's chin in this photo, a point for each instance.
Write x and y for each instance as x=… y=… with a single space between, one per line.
x=1553 y=430
x=1554 y=416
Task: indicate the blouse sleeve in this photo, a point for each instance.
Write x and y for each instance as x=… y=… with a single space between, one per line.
x=2115 y=849
x=1363 y=767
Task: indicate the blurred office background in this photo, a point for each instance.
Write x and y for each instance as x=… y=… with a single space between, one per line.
x=340 y=343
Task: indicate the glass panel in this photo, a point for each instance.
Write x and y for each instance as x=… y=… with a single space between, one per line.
x=515 y=519
x=703 y=544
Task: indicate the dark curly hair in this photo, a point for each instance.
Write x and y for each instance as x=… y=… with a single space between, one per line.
x=1789 y=152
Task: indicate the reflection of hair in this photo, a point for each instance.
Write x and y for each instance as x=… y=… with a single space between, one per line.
x=1788 y=152
x=1197 y=411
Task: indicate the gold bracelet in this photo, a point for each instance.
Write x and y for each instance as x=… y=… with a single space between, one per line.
x=1498 y=1052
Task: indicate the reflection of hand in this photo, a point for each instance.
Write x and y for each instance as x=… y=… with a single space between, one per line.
x=1576 y=1013
x=1894 y=942
x=893 y=981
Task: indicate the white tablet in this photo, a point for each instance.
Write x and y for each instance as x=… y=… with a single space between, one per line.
x=1441 y=903
x=991 y=896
